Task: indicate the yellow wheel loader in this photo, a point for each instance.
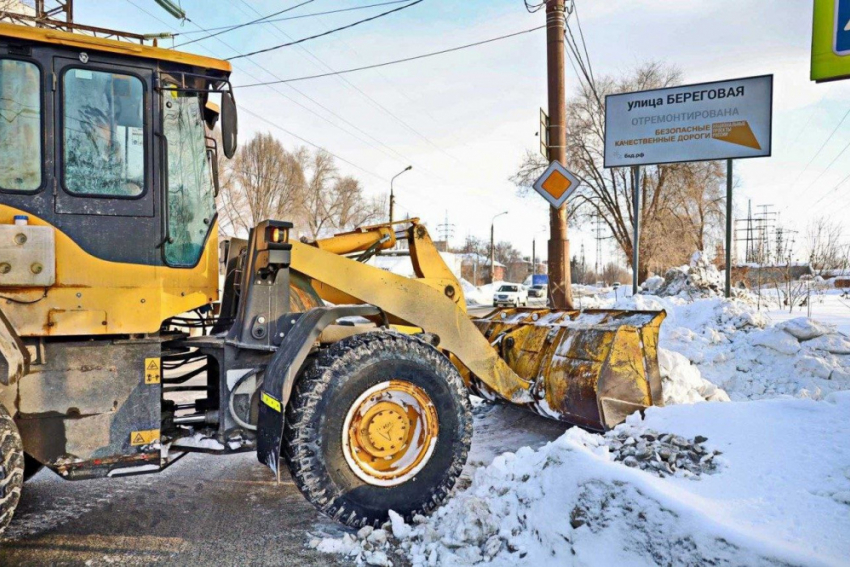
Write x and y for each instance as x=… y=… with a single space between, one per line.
x=119 y=356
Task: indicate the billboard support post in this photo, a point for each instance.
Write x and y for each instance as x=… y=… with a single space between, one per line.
x=728 y=228
x=636 y=236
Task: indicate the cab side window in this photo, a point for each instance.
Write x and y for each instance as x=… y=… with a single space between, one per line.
x=104 y=135
x=191 y=196
x=20 y=126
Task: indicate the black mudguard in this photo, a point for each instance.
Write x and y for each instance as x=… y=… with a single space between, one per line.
x=283 y=370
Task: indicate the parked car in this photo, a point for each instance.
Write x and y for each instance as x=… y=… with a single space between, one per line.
x=510 y=294
x=538 y=290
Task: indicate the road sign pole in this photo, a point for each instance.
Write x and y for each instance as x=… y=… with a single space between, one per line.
x=560 y=292
x=636 y=236
x=729 y=228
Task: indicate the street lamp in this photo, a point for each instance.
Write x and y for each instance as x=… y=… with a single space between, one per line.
x=493 y=247
x=392 y=194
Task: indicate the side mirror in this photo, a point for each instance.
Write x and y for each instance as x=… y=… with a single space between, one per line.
x=229 y=124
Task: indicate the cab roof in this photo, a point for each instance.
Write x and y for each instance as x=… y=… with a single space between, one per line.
x=56 y=37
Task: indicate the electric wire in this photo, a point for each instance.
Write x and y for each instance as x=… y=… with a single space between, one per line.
x=375 y=103
x=236 y=27
x=817 y=153
x=326 y=33
x=584 y=45
x=282 y=129
x=387 y=150
x=394 y=62
x=532 y=8
x=289 y=18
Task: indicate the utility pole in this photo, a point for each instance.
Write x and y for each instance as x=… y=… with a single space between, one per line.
x=560 y=290
x=493 y=247
x=533 y=256
x=728 y=286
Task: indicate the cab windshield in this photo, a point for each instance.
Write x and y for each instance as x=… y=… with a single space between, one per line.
x=508 y=288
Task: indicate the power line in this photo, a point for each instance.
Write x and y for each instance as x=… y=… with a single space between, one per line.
x=817 y=153
x=269 y=19
x=584 y=45
x=828 y=166
x=309 y=143
x=372 y=100
x=329 y=32
x=367 y=97
x=236 y=27
x=294 y=135
x=394 y=62
x=397 y=155
x=532 y=8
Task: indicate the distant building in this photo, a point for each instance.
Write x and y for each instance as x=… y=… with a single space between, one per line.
x=758 y=275
x=475 y=268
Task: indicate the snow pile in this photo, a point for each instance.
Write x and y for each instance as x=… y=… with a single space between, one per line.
x=738 y=349
x=652 y=284
x=474 y=295
x=699 y=279
x=574 y=502
x=682 y=383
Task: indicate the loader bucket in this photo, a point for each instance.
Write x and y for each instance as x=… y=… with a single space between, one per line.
x=590 y=368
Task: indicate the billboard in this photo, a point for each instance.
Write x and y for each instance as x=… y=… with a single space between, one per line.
x=831 y=40
x=702 y=122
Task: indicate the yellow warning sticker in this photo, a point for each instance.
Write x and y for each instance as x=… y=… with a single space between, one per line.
x=153 y=374
x=271 y=402
x=145 y=437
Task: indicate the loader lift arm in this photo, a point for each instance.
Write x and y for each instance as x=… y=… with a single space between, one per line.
x=433 y=301
x=590 y=368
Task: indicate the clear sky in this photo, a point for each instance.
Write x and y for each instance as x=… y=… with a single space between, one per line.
x=465 y=119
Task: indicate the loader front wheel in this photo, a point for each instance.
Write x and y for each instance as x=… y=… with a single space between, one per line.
x=11 y=467
x=377 y=422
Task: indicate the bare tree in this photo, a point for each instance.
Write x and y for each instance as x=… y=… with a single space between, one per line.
x=264 y=181
x=317 y=212
x=824 y=247
x=351 y=208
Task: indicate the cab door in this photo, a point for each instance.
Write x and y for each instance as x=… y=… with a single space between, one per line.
x=104 y=139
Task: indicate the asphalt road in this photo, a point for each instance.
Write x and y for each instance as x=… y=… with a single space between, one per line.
x=203 y=510
x=208 y=510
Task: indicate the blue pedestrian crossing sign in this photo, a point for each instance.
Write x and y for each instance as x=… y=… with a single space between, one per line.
x=831 y=40
x=841 y=27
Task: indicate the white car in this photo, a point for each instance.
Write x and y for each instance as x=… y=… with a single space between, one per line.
x=510 y=294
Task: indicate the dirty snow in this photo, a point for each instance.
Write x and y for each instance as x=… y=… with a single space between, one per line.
x=571 y=502
x=761 y=480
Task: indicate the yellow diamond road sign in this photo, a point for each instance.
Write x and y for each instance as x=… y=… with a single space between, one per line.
x=556 y=184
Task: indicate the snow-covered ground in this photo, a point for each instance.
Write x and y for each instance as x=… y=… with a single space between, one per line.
x=761 y=480
x=831 y=307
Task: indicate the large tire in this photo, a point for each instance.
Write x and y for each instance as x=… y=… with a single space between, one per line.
x=318 y=447
x=11 y=467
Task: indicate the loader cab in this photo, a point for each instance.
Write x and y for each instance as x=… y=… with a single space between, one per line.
x=108 y=229
x=111 y=145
